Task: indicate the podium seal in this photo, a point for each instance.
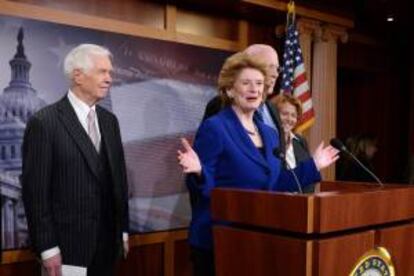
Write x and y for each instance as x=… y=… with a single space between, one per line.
x=376 y=262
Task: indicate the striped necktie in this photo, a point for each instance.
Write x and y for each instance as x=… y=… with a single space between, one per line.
x=92 y=131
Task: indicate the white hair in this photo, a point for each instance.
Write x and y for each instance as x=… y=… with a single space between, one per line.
x=257 y=49
x=80 y=58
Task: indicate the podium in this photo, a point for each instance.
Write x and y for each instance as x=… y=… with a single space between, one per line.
x=260 y=233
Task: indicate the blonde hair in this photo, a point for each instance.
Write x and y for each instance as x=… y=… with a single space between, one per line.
x=231 y=69
x=290 y=99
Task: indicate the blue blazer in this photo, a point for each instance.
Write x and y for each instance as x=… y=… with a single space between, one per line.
x=230 y=159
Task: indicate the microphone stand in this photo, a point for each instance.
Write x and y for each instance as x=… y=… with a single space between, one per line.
x=336 y=143
x=294 y=176
x=365 y=168
x=277 y=152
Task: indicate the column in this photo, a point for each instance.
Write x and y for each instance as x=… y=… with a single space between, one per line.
x=8 y=215
x=306 y=29
x=324 y=82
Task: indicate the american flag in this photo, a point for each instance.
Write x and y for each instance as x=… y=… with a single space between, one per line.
x=294 y=79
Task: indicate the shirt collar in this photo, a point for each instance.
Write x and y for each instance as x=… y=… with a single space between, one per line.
x=81 y=108
x=292 y=136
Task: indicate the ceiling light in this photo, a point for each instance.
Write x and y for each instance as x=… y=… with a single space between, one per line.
x=390 y=18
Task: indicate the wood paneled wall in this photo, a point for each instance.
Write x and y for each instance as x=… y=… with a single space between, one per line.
x=153 y=254
x=411 y=123
x=164 y=253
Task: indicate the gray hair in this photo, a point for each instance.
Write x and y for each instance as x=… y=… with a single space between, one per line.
x=80 y=58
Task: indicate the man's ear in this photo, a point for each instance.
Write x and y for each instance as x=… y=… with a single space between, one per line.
x=77 y=76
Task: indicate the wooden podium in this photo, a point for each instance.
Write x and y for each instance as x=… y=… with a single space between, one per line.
x=263 y=233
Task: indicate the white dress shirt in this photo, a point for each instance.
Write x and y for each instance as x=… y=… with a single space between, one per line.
x=82 y=110
x=290 y=154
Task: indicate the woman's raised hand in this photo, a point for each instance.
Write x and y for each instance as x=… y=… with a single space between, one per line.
x=188 y=158
x=325 y=156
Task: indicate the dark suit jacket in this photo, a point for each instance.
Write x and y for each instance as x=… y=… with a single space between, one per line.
x=61 y=181
x=301 y=152
x=215 y=105
x=300 y=148
x=230 y=159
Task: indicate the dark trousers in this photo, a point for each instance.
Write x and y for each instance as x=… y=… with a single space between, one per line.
x=203 y=262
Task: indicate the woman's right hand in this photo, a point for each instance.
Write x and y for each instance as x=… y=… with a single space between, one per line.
x=325 y=156
x=188 y=158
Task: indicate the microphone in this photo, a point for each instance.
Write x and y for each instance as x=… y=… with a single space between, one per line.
x=281 y=155
x=336 y=143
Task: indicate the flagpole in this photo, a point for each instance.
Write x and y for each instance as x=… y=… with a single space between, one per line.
x=293 y=76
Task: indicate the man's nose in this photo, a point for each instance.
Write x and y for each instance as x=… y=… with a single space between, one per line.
x=108 y=78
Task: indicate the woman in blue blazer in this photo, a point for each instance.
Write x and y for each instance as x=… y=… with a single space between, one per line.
x=235 y=149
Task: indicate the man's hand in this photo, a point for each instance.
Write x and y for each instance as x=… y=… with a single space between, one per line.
x=53 y=265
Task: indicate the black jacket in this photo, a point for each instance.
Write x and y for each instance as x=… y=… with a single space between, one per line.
x=62 y=182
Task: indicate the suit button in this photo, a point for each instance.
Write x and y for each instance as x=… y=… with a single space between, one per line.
x=267 y=172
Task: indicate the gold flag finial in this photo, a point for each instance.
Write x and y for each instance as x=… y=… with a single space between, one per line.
x=291 y=7
x=291 y=14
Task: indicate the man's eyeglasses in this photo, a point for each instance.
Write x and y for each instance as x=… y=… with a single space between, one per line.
x=278 y=69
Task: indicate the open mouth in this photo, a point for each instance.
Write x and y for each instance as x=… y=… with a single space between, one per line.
x=251 y=99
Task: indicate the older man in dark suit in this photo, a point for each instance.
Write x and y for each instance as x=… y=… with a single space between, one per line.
x=74 y=180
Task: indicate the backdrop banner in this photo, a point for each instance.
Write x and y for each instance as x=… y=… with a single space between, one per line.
x=159 y=94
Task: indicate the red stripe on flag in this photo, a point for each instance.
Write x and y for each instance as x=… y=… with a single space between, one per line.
x=304 y=97
x=299 y=80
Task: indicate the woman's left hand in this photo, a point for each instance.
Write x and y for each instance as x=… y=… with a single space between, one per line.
x=325 y=156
